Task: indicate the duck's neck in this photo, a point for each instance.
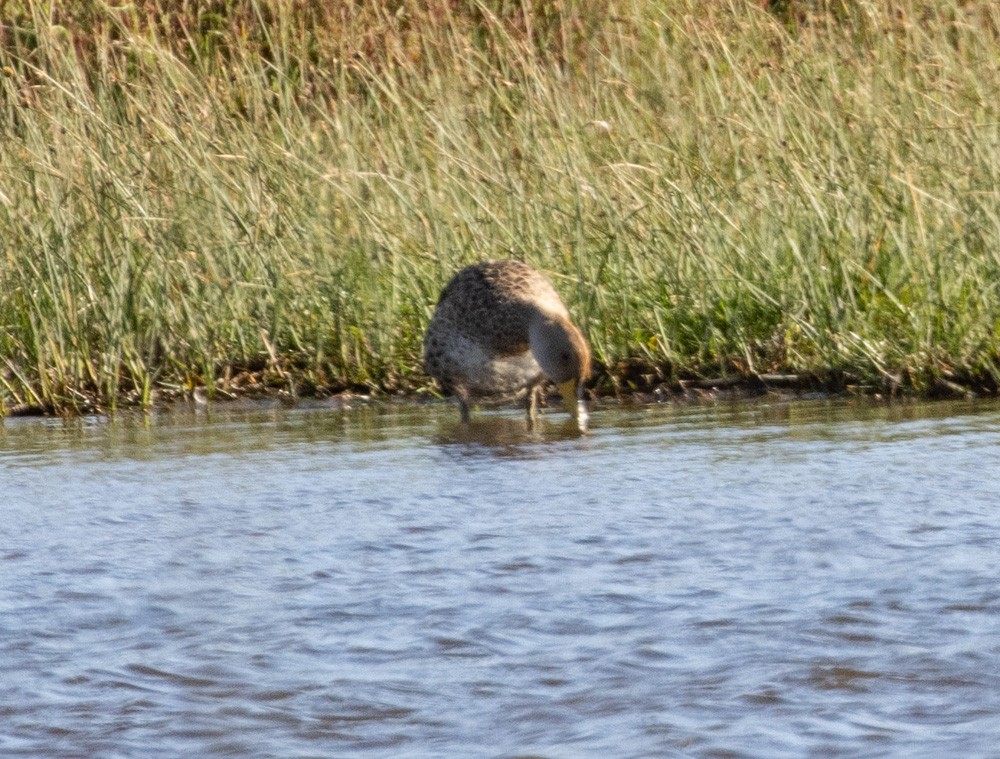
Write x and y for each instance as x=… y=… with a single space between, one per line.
x=559 y=347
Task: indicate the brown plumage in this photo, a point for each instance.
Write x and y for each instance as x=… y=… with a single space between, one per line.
x=501 y=328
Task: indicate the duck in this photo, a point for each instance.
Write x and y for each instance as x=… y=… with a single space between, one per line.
x=499 y=329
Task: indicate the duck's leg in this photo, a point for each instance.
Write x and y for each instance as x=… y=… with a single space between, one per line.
x=463 y=403
x=531 y=404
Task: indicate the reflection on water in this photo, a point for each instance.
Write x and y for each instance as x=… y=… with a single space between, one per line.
x=768 y=580
x=503 y=435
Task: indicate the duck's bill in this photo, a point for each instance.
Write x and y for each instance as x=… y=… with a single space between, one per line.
x=572 y=402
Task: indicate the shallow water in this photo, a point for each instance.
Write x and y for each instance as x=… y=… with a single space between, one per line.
x=762 y=580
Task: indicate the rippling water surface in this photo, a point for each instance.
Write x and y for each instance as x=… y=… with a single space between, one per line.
x=765 y=580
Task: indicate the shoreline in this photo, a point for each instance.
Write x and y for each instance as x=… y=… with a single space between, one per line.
x=256 y=387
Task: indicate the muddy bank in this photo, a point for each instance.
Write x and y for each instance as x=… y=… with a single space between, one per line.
x=632 y=383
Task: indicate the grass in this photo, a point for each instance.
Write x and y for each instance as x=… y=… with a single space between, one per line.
x=272 y=194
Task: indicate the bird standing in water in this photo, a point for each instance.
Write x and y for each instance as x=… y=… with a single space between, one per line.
x=500 y=328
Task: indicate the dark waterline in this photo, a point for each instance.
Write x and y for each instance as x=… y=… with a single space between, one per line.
x=760 y=580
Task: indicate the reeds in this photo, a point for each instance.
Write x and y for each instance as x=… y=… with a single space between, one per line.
x=274 y=193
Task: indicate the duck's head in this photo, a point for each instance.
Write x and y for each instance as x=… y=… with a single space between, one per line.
x=562 y=352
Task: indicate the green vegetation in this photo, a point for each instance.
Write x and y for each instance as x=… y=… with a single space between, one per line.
x=232 y=191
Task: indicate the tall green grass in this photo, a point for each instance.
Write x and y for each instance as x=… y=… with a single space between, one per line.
x=280 y=189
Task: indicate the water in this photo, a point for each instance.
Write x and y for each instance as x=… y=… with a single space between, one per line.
x=765 y=580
